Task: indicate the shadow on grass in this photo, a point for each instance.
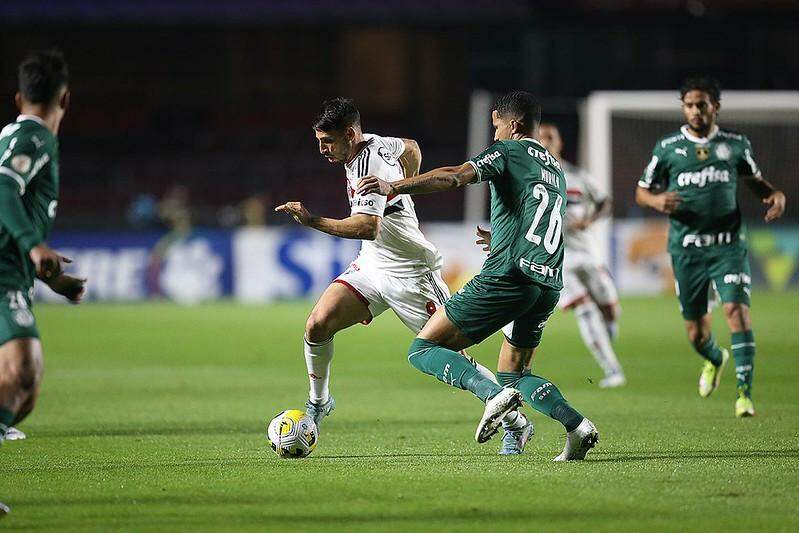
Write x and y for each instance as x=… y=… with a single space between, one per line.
x=622 y=457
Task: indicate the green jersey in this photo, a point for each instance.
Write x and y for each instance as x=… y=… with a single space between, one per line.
x=704 y=172
x=28 y=196
x=528 y=203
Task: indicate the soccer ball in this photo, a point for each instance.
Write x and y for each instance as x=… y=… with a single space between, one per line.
x=292 y=434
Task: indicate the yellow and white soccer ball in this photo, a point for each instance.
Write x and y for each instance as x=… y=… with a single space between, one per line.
x=292 y=434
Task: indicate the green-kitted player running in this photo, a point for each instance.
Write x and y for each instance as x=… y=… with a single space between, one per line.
x=519 y=285
x=693 y=177
x=28 y=201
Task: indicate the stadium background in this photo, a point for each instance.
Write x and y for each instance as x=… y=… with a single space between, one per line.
x=190 y=121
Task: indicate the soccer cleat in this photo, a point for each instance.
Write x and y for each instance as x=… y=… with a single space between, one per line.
x=497 y=407
x=515 y=440
x=15 y=434
x=319 y=411
x=744 y=407
x=710 y=377
x=612 y=381
x=4 y=509
x=579 y=441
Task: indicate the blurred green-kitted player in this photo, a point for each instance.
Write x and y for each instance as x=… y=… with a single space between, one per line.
x=693 y=177
x=28 y=202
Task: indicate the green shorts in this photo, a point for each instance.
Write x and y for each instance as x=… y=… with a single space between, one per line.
x=693 y=274
x=489 y=303
x=16 y=318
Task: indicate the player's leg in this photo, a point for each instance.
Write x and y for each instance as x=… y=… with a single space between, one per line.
x=603 y=292
x=21 y=369
x=692 y=283
x=342 y=305
x=414 y=300
x=733 y=281
x=522 y=336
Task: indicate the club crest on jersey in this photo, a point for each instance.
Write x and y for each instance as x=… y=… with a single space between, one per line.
x=702 y=152
x=21 y=163
x=386 y=157
x=723 y=151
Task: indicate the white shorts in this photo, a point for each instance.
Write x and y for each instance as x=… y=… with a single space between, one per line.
x=587 y=280
x=413 y=299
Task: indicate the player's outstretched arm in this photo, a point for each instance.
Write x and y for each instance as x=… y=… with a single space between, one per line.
x=437 y=180
x=411 y=158
x=773 y=198
x=358 y=226
x=665 y=202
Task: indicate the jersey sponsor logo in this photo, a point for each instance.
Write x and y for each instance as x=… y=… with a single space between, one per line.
x=702 y=240
x=545 y=157
x=702 y=152
x=362 y=202
x=701 y=178
x=723 y=151
x=737 y=278
x=488 y=159
x=544 y=270
x=681 y=151
x=21 y=163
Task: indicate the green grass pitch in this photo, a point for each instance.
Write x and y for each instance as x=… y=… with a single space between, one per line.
x=153 y=416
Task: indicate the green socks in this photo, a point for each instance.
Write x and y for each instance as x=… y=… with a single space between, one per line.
x=6 y=419
x=743 y=351
x=710 y=350
x=450 y=367
x=542 y=396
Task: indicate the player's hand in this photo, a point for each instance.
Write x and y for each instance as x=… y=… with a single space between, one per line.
x=296 y=210
x=667 y=202
x=374 y=185
x=71 y=288
x=484 y=238
x=776 y=203
x=47 y=262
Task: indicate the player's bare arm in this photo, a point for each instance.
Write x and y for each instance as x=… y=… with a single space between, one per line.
x=359 y=226
x=437 y=180
x=411 y=158
x=666 y=202
x=773 y=198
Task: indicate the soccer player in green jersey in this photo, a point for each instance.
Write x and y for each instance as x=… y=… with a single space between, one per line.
x=28 y=201
x=520 y=282
x=693 y=178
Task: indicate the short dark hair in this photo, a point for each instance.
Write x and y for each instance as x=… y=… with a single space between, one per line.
x=41 y=75
x=522 y=106
x=702 y=83
x=337 y=114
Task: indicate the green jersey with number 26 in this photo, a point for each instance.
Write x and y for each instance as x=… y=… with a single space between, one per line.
x=528 y=204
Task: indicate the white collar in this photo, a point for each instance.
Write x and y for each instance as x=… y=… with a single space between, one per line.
x=701 y=140
x=34 y=118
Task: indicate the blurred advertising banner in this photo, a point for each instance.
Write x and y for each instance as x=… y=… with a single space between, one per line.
x=640 y=264
x=265 y=264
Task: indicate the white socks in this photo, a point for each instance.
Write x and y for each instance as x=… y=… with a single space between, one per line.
x=596 y=338
x=318 y=357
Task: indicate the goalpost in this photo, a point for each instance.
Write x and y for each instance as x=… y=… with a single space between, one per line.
x=640 y=118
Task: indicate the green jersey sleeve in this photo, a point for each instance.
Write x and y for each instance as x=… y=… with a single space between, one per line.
x=14 y=219
x=656 y=172
x=746 y=163
x=491 y=164
x=17 y=162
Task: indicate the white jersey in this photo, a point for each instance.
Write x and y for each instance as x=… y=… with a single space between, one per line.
x=400 y=247
x=582 y=200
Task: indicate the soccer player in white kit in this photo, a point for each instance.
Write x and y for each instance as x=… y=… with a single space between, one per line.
x=397 y=267
x=587 y=286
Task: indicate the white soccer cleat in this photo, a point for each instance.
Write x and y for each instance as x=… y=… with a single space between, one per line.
x=612 y=381
x=579 y=441
x=15 y=434
x=4 y=509
x=496 y=408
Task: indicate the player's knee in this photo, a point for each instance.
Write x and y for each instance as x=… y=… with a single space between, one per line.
x=21 y=366
x=738 y=316
x=697 y=336
x=318 y=327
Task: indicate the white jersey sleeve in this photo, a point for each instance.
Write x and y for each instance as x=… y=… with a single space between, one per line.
x=394 y=146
